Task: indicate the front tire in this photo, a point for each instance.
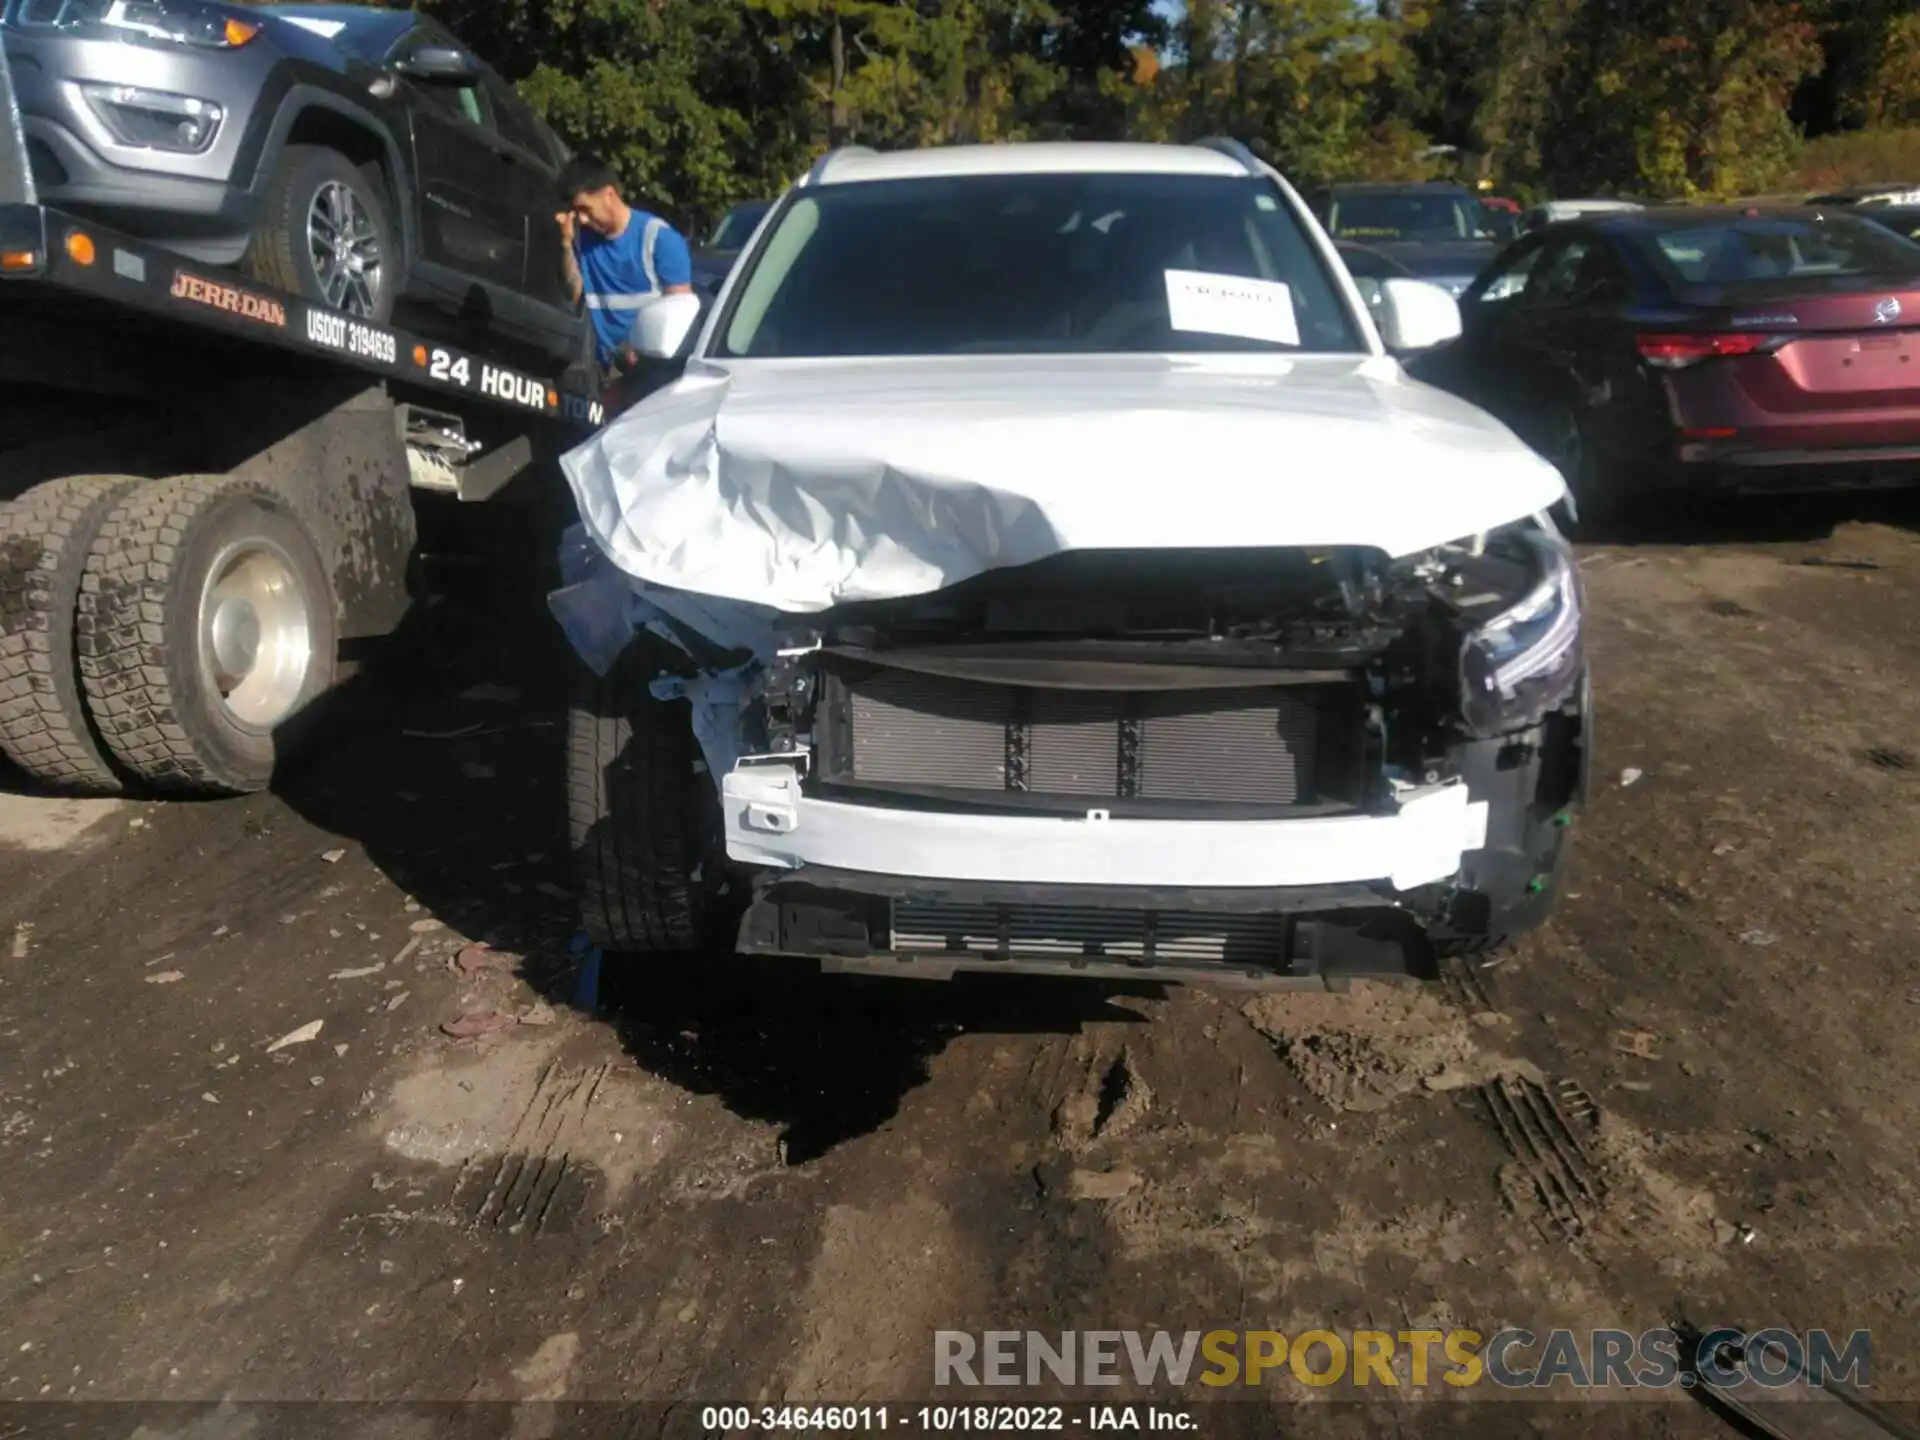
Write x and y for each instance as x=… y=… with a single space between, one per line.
x=644 y=817
x=325 y=235
x=206 y=628
x=1568 y=443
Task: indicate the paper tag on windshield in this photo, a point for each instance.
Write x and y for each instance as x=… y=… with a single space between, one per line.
x=1231 y=305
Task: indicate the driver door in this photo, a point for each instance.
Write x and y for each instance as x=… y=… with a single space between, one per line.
x=1541 y=351
x=530 y=174
x=1482 y=366
x=470 y=223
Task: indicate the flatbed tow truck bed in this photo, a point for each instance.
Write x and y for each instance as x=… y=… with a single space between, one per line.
x=207 y=495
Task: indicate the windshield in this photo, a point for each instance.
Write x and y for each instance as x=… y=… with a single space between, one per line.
x=736 y=227
x=1407 y=215
x=1109 y=264
x=1767 y=250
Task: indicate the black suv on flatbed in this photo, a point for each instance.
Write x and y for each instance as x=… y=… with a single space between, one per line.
x=359 y=157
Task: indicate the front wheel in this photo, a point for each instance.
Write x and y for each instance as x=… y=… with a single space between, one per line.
x=1567 y=442
x=647 y=834
x=324 y=235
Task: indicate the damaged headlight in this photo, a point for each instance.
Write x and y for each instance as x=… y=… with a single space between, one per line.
x=1524 y=661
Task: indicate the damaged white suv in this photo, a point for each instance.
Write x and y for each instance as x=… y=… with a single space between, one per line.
x=1043 y=564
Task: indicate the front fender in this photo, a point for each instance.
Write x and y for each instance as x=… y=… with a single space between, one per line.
x=298 y=99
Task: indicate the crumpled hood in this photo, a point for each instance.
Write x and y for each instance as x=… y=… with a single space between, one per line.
x=804 y=484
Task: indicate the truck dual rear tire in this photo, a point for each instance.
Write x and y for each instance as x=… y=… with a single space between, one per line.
x=644 y=818
x=45 y=538
x=206 y=627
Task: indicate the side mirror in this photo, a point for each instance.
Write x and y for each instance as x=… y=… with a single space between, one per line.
x=1413 y=315
x=440 y=65
x=664 y=326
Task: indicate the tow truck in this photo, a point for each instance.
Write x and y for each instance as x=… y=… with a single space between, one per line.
x=207 y=496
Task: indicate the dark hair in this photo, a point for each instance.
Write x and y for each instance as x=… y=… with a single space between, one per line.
x=584 y=174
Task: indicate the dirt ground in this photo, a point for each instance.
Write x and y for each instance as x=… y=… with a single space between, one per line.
x=747 y=1182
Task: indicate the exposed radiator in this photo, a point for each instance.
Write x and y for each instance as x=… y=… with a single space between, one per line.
x=1255 y=746
x=1039 y=931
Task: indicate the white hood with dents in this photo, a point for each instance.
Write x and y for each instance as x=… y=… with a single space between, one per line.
x=803 y=484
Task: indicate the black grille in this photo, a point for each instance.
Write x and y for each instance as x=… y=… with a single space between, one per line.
x=1048 y=931
x=1246 y=746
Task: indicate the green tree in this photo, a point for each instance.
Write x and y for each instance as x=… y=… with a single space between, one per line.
x=1895 y=93
x=685 y=98
x=1685 y=98
x=703 y=102
x=1299 y=80
x=1456 y=57
x=1857 y=38
x=915 y=72
x=892 y=74
x=1100 y=50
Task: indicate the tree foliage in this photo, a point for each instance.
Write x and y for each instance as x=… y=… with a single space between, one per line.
x=689 y=99
x=1298 y=80
x=700 y=103
x=1893 y=98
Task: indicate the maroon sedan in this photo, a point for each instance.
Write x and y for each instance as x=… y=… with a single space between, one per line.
x=1727 y=349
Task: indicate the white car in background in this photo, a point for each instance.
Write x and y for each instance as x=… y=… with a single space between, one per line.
x=1045 y=564
x=1871 y=196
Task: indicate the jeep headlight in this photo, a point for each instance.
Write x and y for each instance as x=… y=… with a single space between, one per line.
x=1525 y=659
x=179 y=22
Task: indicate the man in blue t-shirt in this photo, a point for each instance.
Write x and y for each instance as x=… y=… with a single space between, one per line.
x=617 y=258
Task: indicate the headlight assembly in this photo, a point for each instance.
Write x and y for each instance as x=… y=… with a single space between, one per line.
x=181 y=22
x=178 y=22
x=1525 y=660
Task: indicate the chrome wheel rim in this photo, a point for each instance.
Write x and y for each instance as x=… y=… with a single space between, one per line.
x=256 y=633
x=345 y=249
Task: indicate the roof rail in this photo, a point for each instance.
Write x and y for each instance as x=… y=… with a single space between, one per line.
x=1234 y=149
x=819 y=170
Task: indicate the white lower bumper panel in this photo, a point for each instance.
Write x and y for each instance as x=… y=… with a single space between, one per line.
x=769 y=822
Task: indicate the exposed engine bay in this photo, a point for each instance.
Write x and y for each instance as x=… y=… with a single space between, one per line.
x=1258 y=682
x=1263 y=763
